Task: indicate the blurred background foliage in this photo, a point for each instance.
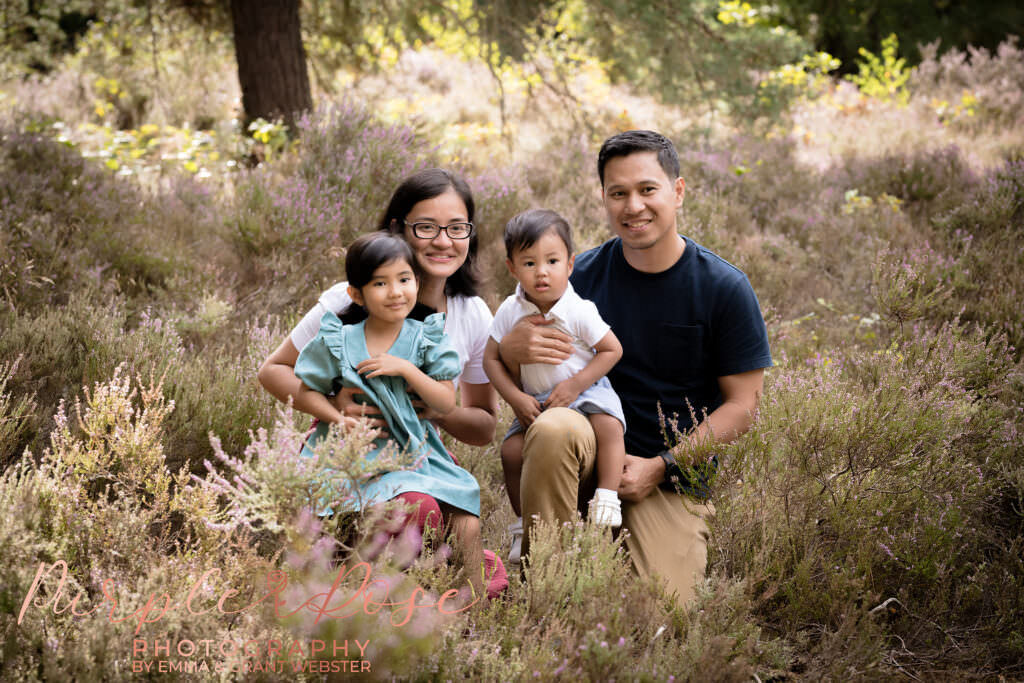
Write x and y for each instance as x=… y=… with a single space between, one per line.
x=863 y=163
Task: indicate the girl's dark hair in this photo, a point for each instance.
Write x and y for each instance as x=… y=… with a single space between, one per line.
x=365 y=255
x=523 y=231
x=428 y=184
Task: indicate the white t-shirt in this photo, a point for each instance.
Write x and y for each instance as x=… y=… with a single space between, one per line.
x=575 y=316
x=466 y=324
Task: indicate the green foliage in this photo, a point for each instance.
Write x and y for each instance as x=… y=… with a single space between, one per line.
x=689 y=55
x=884 y=78
x=878 y=499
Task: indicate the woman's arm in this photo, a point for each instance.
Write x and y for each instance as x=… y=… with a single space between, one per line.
x=277 y=375
x=472 y=422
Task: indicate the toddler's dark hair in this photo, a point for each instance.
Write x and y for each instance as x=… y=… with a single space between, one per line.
x=523 y=231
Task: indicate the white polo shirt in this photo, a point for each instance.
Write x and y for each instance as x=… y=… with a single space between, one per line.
x=575 y=316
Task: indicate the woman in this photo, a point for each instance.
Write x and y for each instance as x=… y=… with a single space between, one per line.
x=433 y=211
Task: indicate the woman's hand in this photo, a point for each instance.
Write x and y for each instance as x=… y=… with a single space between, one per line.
x=533 y=340
x=385 y=364
x=353 y=412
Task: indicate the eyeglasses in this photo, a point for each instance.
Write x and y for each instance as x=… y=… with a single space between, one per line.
x=428 y=231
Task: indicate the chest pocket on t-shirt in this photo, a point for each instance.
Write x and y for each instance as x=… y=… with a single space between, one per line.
x=681 y=352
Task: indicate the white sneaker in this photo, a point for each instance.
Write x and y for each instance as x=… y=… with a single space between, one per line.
x=515 y=554
x=605 y=509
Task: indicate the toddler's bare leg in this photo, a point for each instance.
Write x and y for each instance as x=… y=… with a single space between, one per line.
x=611 y=450
x=512 y=466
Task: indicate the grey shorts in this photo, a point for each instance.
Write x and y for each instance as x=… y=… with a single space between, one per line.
x=598 y=398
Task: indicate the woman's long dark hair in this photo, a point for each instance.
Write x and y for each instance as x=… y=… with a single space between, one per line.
x=424 y=185
x=365 y=255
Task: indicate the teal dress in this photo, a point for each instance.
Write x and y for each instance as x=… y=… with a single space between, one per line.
x=329 y=362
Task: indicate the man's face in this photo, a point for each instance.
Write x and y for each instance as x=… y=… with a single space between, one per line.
x=641 y=200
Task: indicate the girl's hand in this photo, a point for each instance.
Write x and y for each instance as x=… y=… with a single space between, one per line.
x=564 y=393
x=526 y=408
x=384 y=364
x=353 y=412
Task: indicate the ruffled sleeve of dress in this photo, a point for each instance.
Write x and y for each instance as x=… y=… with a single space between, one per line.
x=437 y=357
x=321 y=361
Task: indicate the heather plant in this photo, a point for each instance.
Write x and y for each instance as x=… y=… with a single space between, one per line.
x=991 y=80
x=913 y=286
x=16 y=415
x=290 y=229
x=865 y=479
x=984 y=232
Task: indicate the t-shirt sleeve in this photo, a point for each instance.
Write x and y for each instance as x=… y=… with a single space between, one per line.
x=741 y=339
x=335 y=300
x=589 y=326
x=480 y=319
x=319 y=362
x=503 y=321
x=439 y=359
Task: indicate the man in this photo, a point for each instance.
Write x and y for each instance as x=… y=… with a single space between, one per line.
x=695 y=349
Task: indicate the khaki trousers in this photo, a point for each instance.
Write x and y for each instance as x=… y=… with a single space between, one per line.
x=668 y=533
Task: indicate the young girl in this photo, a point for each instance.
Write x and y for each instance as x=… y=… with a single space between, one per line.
x=385 y=356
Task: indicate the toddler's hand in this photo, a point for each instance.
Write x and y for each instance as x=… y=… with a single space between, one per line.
x=562 y=395
x=526 y=408
x=384 y=364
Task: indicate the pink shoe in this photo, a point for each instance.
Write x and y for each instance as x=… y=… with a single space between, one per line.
x=497 y=577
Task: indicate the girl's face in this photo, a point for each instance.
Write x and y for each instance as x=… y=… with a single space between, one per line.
x=439 y=257
x=390 y=295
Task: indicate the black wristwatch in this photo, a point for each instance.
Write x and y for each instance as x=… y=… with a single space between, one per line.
x=671 y=466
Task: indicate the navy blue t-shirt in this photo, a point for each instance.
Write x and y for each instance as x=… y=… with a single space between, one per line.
x=680 y=329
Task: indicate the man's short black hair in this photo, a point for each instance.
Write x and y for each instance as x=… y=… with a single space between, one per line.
x=632 y=141
x=523 y=231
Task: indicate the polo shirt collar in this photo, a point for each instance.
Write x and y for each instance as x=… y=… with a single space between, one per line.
x=557 y=311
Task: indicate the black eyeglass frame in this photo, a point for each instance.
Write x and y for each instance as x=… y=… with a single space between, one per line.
x=435 y=229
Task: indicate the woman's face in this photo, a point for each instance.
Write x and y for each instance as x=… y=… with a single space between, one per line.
x=440 y=256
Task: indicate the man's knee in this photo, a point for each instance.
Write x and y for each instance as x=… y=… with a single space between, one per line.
x=557 y=433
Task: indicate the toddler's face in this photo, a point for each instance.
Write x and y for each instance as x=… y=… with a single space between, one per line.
x=543 y=269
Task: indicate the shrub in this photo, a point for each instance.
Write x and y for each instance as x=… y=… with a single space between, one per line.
x=290 y=230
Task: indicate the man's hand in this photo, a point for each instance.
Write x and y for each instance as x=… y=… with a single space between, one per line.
x=640 y=476
x=564 y=393
x=526 y=408
x=533 y=340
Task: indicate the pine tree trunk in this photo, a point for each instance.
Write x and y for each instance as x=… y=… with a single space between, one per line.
x=271 y=59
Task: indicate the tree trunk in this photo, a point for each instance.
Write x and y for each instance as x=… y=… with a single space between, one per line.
x=271 y=59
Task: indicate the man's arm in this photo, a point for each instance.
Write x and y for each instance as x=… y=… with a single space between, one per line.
x=725 y=424
x=533 y=340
